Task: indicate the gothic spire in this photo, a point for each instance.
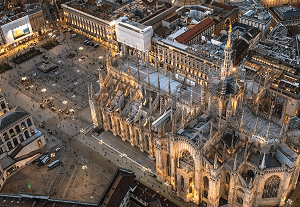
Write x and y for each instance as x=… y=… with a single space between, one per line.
x=235 y=162
x=255 y=127
x=242 y=120
x=226 y=67
x=215 y=162
x=139 y=75
x=129 y=73
x=211 y=132
x=158 y=82
x=169 y=87
x=191 y=97
x=101 y=84
x=263 y=162
x=148 y=77
x=268 y=132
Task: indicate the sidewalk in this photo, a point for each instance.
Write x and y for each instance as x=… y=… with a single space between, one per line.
x=142 y=173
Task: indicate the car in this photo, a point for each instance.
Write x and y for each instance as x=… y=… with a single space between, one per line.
x=67 y=112
x=45 y=57
x=27 y=88
x=74 y=35
x=91 y=44
x=49 y=131
x=45 y=61
x=96 y=45
x=42 y=106
x=53 y=108
x=87 y=43
x=41 y=125
x=57 y=149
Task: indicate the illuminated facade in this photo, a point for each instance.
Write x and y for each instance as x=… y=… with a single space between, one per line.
x=19 y=139
x=92 y=24
x=213 y=141
x=21 y=26
x=272 y=3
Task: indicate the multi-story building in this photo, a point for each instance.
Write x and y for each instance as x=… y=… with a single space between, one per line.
x=260 y=20
x=133 y=34
x=273 y=3
x=91 y=22
x=286 y=15
x=19 y=139
x=3 y=105
x=21 y=26
x=216 y=142
x=194 y=35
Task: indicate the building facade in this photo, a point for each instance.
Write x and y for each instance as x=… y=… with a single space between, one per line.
x=212 y=141
x=21 y=26
x=271 y=3
x=93 y=24
x=260 y=20
x=19 y=140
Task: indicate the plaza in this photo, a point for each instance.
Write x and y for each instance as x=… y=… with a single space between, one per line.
x=80 y=146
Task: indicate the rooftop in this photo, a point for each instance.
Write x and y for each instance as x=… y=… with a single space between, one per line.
x=190 y=34
x=89 y=10
x=286 y=12
x=12 y=117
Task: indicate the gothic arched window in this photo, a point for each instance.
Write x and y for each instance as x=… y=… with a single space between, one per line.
x=182 y=182
x=187 y=158
x=227 y=178
x=147 y=142
x=191 y=185
x=240 y=200
x=206 y=187
x=271 y=187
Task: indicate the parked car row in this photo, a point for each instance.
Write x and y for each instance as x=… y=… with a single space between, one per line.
x=87 y=42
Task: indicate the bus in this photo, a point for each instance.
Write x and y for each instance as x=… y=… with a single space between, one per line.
x=53 y=164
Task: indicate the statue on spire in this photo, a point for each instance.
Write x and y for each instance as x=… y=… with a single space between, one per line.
x=227 y=65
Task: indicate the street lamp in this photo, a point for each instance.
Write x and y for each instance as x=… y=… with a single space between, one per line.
x=84 y=167
x=122 y=155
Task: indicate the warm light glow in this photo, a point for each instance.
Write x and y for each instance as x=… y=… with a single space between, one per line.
x=229 y=37
x=112 y=23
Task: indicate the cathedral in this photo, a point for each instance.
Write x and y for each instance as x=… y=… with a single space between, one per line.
x=228 y=140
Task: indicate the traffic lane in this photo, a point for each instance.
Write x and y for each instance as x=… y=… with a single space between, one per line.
x=125 y=147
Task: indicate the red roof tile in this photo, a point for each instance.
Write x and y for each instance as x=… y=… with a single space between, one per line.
x=190 y=34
